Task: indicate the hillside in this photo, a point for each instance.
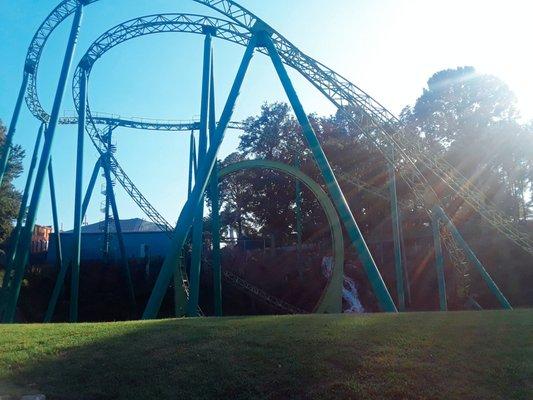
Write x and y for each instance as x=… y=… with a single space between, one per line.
x=485 y=355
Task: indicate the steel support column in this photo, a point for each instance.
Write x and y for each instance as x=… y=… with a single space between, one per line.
x=405 y=265
x=180 y=291
x=197 y=232
x=384 y=299
x=62 y=264
x=439 y=262
x=215 y=205
x=395 y=216
x=299 y=228
x=108 y=189
x=76 y=240
x=473 y=258
x=55 y=214
x=204 y=172
x=181 y=296
x=120 y=237
x=192 y=163
x=90 y=187
x=22 y=209
x=6 y=151
x=22 y=253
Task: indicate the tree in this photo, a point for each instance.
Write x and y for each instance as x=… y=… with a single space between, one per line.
x=267 y=199
x=234 y=198
x=472 y=120
x=9 y=196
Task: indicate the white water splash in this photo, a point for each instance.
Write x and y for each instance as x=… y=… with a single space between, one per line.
x=351 y=296
x=349 y=290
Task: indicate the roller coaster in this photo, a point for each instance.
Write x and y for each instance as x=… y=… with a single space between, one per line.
x=401 y=149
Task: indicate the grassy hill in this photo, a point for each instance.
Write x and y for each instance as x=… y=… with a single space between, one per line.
x=485 y=355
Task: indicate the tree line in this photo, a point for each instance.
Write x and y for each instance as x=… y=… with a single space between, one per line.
x=469 y=119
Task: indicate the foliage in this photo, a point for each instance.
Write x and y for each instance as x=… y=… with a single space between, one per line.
x=267 y=199
x=472 y=121
x=469 y=119
x=9 y=196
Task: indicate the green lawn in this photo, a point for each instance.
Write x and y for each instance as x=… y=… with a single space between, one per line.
x=483 y=355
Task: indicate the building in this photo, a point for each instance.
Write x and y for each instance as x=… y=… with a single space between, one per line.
x=141 y=239
x=40 y=239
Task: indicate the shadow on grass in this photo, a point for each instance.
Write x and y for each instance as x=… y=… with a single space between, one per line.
x=411 y=356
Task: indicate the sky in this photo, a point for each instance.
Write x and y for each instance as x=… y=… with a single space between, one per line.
x=389 y=48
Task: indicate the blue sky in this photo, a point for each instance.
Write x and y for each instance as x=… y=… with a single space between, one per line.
x=387 y=47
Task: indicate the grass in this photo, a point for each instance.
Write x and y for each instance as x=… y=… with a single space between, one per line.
x=484 y=355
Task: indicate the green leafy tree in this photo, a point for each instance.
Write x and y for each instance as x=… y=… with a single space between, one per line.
x=9 y=196
x=234 y=190
x=267 y=199
x=272 y=135
x=472 y=120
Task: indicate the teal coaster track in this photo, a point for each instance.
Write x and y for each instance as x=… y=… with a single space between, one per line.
x=146 y=124
x=330 y=301
x=399 y=147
